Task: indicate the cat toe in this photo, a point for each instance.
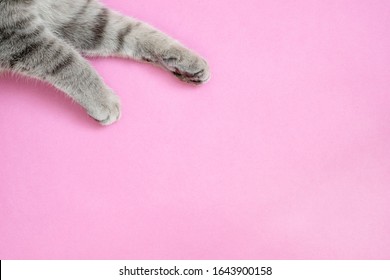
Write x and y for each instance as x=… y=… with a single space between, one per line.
x=112 y=116
x=187 y=66
x=107 y=113
x=197 y=74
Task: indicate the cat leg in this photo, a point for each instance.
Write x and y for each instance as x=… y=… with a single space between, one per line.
x=38 y=53
x=108 y=33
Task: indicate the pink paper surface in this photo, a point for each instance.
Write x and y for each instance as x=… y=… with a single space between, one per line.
x=284 y=154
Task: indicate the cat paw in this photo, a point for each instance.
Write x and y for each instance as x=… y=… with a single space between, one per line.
x=186 y=65
x=106 y=112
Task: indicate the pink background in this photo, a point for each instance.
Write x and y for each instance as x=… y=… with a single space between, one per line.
x=284 y=154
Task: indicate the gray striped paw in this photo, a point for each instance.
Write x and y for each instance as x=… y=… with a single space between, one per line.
x=106 y=112
x=186 y=65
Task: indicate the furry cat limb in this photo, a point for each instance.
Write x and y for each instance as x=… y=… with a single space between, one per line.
x=47 y=39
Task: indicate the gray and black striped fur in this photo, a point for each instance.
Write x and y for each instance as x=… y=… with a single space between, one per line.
x=46 y=39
